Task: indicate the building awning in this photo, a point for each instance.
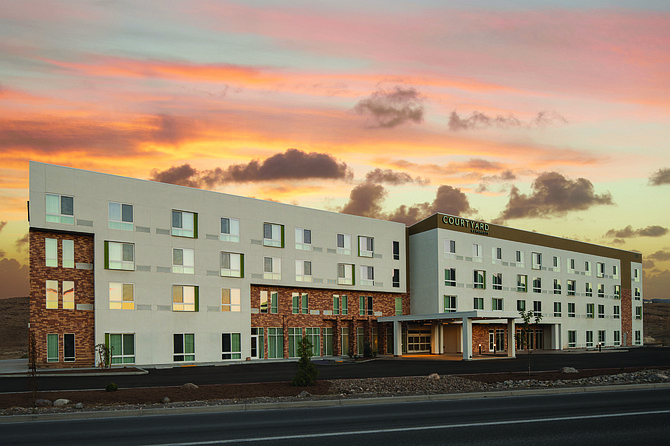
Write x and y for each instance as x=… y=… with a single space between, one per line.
x=459 y=315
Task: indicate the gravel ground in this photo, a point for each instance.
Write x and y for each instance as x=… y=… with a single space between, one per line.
x=132 y=399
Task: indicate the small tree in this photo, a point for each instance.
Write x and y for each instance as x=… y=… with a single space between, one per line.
x=307 y=372
x=530 y=320
x=104 y=356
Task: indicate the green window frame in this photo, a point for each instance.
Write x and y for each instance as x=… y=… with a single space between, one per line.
x=121 y=347
x=450 y=277
x=294 y=337
x=231 y=346
x=119 y=255
x=304 y=297
x=184 y=347
x=478 y=303
x=449 y=304
x=275 y=342
x=313 y=334
x=52 y=347
x=273 y=235
x=185 y=298
x=295 y=307
x=274 y=298
x=345 y=305
x=336 y=304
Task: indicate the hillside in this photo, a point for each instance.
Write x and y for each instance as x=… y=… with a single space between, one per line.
x=657 y=323
x=14 y=315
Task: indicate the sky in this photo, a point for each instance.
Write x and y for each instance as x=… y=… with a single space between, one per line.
x=545 y=116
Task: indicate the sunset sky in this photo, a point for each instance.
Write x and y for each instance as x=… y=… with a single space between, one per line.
x=552 y=118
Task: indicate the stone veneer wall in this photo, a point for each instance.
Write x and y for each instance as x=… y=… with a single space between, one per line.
x=627 y=317
x=320 y=299
x=79 y=321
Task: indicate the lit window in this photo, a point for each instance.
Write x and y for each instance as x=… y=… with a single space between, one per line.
x=184 y=298
x=617 y=291
x=185 y=224
x=367 y=275
x=121 y=296
x=345 y=274
x=232 y=264
x=449 y=304
x=231 y=346
x=230 y=230
x=366 y=246
x=344 y=244
x=273 y=235
x=68 y=295
x=52 y=294
x=272 y=268
x=120 y=216
x=119 y=256
x=184 y=347
x=303 y=271
x=230 y=300
x=60 y=209
x=303 y=239
x=183 y=261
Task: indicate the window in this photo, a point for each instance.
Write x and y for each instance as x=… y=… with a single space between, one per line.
x=52 y=347
x=520 y=305
x=636 y=274
x=121 y=216
x=638 y=337
x=313 y=335
x=344 y=244
x=537 y=260
x=231 y=347
x=366 y=246
x=589 y=339
x=450 y=248
x=572 y=339
x=479 y=279
x=571 y=265
x=557 y=286
x=396 y=250
x=637 y=293
x=601 y=337
x=571 y=309
x=274 y=301
x=303 y=271
x=184 y=298
x=617 y=337
x=557 y=309
x=68 y=295
x=345 y=274
x=601 y=290
x=121 y=296
x=275 y=343
x=521 y=283
x=497 y=281
x=537 y=285
x=590 y=309
x=617 y=291
x=183 y=261
x=478 y=303
x=571 y=287
x=587 y=268
x=396 y=278
x=303 y=239
x=450 y=277
x=60 y=209
x=344 y=309
x=230 y=230
x=476 y=252
x=496 y=304
x=537 y=308
x=365 y=306
x=52 y=294
x=119 y=256
x=398 y=306
x=232 y=264
x=271 y=304
x=615 y=272
x=601 y=311
x=68 y=347
x=304 y=298
x=272 y=268
x=617 y=312
x=557 y=263
x=336 y=304
x=184 y=347
x=51 y=252
x=273 y=235
x=588 y=289
x=68 y=253
x=367 y=275
x=294 y=336
x=638 y=313
x=345 y=305
x=497 y=253
x=122 y=347
x=600 y=269
x=230 y=300
x=185 y=224
x=449 y=304
x=328 y=341
x=345 y=341
x=519 y=258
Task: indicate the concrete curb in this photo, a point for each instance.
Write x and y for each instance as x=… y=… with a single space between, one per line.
x=319 y=403
x=24 y=375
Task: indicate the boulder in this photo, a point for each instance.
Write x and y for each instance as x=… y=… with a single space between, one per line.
x=433 y=376
x=61 y=402
x=569 y=370
x=165 y=400
x=304 y=394
x=189 y=386
x=79 y=406
x=43 y=403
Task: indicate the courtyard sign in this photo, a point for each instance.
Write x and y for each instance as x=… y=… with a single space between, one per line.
x=477 y=227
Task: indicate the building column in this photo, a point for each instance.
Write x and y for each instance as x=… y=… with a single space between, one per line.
x=467 y=339
x=511 y=338
x=556 y=337
x=397 y=338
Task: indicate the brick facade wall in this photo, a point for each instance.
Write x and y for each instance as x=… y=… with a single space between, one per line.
x=322 y=300
x=627 y=317
x=61 y=321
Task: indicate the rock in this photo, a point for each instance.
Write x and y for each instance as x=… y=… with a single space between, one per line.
x=304 y=394
x=165 y=400
x=189 y=386
x=61 y=402
x=433 y=376
x=43 y=403
x=79 y=406
x=569 y=370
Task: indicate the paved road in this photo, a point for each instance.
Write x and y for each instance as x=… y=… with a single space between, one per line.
x=593 y=418
x=284 y=371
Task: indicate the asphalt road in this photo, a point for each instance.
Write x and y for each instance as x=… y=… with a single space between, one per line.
x=284 y=371
x=593 y=418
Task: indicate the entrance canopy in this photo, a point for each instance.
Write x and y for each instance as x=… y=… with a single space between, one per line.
x=464 y=317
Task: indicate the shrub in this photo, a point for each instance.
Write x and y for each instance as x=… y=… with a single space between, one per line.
x=111 y=387
x=367 y=350
x=307 y=372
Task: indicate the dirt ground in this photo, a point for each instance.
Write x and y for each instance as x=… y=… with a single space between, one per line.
x=155 y=395
x=14 y=316
x=657 y=323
